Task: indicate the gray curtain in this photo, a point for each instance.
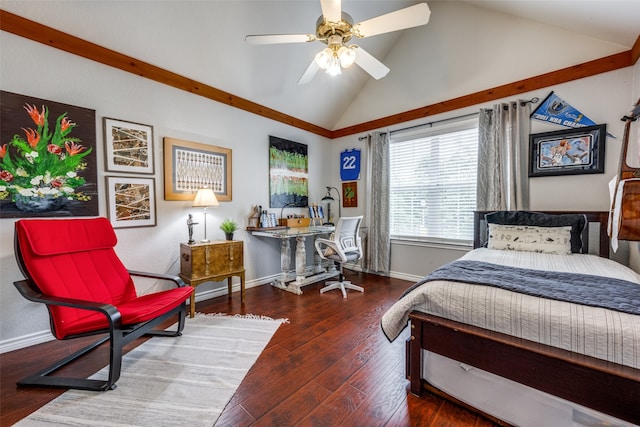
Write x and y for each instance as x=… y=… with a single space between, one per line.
x=378 y=240
x=503 y=182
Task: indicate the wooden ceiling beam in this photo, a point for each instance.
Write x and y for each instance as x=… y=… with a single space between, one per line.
x=580 y=71
x=635 y=51
x=35 y=31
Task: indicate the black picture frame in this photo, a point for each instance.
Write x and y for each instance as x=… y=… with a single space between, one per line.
x=567 y=152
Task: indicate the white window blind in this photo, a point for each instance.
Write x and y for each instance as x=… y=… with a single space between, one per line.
x=433 y=183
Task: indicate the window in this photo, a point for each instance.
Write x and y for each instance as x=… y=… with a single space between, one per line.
x=433 y=183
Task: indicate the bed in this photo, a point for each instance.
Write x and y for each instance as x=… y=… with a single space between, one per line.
x=532 y=366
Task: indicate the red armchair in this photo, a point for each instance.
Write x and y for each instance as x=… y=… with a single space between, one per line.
x=71 y=266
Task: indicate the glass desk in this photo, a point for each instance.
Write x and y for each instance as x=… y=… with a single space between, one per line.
x=292 y=280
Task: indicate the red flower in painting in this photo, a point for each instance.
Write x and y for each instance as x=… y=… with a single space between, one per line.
x=33 y=137
x=37 y=116
x=45 y=162
x=65 y=124
x=73 y=148
x=6 y=176
x=54 y=149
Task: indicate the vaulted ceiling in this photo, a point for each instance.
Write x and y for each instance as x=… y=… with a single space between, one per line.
x=204 y=41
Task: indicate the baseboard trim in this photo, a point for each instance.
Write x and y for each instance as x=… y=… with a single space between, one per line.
x=25 y=341
x=403 y=276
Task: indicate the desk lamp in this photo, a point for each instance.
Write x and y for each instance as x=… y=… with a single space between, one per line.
x=205 y=198
x=328 y=199
x=282 y=220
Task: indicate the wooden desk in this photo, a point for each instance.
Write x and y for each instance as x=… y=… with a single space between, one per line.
x=212 y=262
x=293 y=280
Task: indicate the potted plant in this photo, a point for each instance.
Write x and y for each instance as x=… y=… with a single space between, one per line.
x=229 y=226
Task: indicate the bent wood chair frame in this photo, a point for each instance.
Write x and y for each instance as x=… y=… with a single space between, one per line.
x=117 y=334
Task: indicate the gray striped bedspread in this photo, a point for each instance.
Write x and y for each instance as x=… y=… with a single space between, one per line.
x=593 y=331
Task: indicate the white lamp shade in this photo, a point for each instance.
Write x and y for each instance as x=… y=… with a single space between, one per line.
x=324 y=57
x=347 y=56
x=205 y=198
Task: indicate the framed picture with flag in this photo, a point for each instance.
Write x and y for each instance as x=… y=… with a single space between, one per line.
x=567 y=152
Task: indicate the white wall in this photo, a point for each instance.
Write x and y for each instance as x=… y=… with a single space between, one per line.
x=33 y=69
x=603 y=98
x=465 y=49
x=469 y=49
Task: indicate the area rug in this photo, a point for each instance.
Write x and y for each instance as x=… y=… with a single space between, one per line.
x=181 y=381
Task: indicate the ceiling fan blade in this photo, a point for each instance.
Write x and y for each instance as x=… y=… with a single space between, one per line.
x=279 y=38
x=310 y=73
x=412 y=16
x=370 y=64
x=332 y=10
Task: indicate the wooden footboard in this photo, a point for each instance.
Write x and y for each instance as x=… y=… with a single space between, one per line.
x=604 y=386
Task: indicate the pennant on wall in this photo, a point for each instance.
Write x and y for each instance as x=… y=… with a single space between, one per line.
x=556 y=110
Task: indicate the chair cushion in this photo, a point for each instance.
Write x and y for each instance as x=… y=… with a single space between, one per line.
x=137 y=310
x=81 y=270
x=51 y=237
x=351 y=256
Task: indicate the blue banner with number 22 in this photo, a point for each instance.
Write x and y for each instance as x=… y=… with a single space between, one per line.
x=350 y=165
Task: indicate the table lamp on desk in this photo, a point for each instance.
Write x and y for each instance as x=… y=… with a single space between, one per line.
x=328 y=199
x=282 y=220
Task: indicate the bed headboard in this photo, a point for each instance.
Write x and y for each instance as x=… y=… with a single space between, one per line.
x=600 y=217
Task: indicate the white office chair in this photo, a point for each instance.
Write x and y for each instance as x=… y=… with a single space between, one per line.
x=344 y=246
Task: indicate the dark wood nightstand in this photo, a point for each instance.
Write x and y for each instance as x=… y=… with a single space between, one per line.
x=212 y=262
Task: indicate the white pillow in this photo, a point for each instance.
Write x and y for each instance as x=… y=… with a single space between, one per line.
x=527 y=238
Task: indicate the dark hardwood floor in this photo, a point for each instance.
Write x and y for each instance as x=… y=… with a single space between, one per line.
x=330 y=365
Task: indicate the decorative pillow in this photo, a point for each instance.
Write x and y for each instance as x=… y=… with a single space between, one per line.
x=577 y=222
x=546 y=240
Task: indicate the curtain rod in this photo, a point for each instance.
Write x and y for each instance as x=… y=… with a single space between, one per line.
x=425 y=124
x=533 y=100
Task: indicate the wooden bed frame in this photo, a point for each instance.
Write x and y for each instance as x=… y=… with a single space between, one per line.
x=603 y=386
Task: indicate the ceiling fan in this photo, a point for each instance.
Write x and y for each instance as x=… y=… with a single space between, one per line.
x=335 y=28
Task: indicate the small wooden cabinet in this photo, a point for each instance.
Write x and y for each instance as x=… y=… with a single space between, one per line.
x=212 y=262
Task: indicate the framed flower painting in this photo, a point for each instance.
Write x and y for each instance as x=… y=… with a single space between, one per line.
x=47 y=158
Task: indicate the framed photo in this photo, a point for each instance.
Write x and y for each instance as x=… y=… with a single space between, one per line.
x=190 y=166
x=567 y=152
x=128 y=146
x=131 y=201
x=350 y=194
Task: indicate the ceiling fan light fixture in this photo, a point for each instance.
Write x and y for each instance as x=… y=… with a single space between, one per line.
x=334 y=68
x=336 y=28
x=324 y=58
x=347 y=56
